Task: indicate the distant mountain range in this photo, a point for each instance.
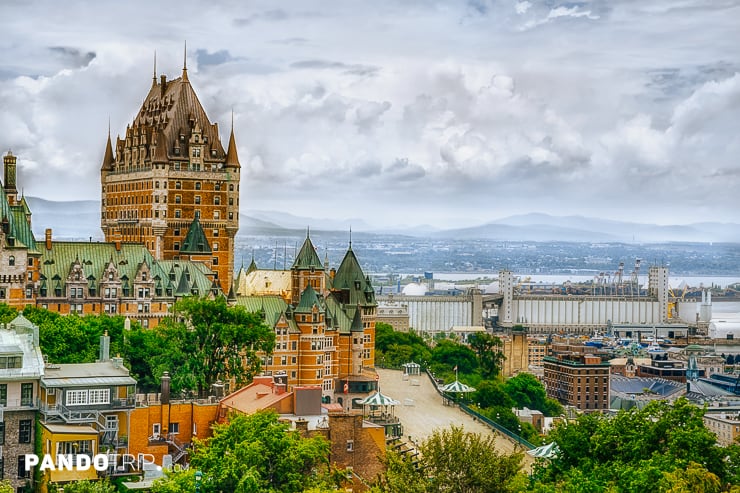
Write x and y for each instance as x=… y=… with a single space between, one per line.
x=81 y=220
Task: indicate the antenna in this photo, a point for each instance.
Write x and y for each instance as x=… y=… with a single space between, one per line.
x=285 y=254
x=274 y=265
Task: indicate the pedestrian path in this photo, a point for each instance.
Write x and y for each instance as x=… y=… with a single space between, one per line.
x=421 y=411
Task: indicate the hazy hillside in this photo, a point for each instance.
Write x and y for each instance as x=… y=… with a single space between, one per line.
x=81 y=220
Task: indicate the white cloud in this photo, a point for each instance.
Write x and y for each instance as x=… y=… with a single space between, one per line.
x=358 y=104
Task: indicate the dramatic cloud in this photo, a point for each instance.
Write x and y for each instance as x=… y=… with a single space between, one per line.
x=454 y=113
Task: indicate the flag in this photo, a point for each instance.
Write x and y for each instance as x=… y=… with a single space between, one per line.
x=346 y=387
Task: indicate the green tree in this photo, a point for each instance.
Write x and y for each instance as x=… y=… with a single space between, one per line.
x=255 y=453
x=204 y=342
x=7 y=313
x=492 y=393
x=527 y=391
x=489 y=350
x=392 y=349
x=102 y=486
x=5 y=485
x=455 y=461
x=448 y=354
x=637 y=450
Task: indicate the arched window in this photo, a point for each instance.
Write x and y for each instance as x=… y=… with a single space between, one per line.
x=11 y=260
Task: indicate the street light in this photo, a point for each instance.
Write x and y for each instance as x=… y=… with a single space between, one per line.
x=520 y=434
x=198 y=477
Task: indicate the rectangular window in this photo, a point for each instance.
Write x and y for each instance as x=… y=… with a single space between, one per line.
x=197 y=185
x=174 y=428
x=76 y=397
x=24 y=431
x=26 y=394
x=216 y=200
x=177 y=213
x=156 y=430
x=99 y=396
x=178 y=199
x=197 y=199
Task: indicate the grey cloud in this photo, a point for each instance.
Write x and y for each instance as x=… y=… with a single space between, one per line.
x=368 y=114
x=216 y=58
x=73 y=57
x=401 y=169
x=297 y=41
x=274 y=15
x=353 y=69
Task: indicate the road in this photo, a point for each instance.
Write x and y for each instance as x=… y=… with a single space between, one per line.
x=422 y=411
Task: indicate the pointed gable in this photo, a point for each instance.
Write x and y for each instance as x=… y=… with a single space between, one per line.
x=350 y=284
x=195 y=241
x=309 y=299
x=307 y=258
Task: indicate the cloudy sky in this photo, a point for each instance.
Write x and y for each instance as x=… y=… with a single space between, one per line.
x=400 y=113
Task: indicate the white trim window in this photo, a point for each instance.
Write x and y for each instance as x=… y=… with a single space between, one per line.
x=99 y=396
x=76 y=397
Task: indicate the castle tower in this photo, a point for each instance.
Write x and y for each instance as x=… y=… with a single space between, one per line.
x=11 y=192
x=307 y=270
x=169 y=168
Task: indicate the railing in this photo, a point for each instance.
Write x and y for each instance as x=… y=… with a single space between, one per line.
x=505 y=431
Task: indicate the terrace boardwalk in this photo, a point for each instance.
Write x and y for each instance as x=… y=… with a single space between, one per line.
x=429 y=413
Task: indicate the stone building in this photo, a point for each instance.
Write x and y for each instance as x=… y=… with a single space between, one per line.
x=324 y=321
x=21 y=368
x=577 y=379
x=394 y=313
x=170 y=184
x=19 y=256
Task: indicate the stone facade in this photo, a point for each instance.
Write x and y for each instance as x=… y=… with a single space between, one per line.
x=168 y=169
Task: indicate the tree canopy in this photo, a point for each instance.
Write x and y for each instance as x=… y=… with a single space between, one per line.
x=657 y=448
x=255 y=453
x=454 y=461
x=204 y=342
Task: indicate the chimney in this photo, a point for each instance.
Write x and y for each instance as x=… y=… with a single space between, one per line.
x=104 y=346
x=163 y=85
x=165 y=398
x=48 y=238
x=117 y=239
x=301 y=425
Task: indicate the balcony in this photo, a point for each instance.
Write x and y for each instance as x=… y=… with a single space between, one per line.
x=20 y=404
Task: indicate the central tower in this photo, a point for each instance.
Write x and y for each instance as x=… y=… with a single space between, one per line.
x=169 y=183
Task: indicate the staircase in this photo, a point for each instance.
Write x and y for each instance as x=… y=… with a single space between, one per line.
x=181 y=450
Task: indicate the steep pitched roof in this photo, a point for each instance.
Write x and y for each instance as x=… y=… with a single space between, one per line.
x=272 y=307
x=309 y=298
x=17 y=223
x=232 y=158
x=355 y=287
x=108 y=159
x=195 y=240
x=307 y=258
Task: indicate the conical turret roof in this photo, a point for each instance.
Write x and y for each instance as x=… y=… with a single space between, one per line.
x=195 y=240
x=307 y=258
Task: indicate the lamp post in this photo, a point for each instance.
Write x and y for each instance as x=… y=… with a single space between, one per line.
x=198 y=478
x=520 y=434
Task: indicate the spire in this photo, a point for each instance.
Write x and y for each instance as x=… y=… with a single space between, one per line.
x=185 y=64
x=232 y=158
x=350 y=237
x=154 y=76
x=108 y=156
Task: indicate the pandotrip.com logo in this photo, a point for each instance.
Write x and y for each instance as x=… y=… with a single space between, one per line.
x=84 y=462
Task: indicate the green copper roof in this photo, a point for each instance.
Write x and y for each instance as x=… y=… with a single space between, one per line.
x=94 y=259
x=195 y=275
x=273 y=308
x=307 y=258
x=340 y=320
x=18 y=227
x=195 y=240
x=357 y=322
x=355 y=288
x=309 y=298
